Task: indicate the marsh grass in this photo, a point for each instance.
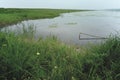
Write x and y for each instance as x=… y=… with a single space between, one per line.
x=23 y=58
x=12 y=16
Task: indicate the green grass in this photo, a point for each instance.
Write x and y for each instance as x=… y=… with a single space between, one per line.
x=12 y=16
x=24 y=58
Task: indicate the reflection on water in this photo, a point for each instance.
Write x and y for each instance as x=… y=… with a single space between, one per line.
x=68 y=26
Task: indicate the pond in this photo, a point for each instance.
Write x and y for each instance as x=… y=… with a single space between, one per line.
x=67 y=27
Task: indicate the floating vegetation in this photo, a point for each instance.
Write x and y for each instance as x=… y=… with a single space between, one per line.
x=72 y=23
x=53 y=26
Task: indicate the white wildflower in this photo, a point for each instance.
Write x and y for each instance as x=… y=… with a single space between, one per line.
x=38 y=53
x=55 y=67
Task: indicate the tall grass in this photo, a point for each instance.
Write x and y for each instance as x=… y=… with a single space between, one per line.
x=103 y=60
x=23 y=58
x=20 y=59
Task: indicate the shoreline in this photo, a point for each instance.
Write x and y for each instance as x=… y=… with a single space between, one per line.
x=14 y=16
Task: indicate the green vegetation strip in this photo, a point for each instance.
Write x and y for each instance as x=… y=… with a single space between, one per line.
x=24 y=58
x=11 y=16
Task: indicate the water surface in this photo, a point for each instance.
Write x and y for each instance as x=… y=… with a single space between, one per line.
x=68 y=26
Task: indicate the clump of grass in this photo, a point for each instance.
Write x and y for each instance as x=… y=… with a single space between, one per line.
x=102 y=61
x=23 y=58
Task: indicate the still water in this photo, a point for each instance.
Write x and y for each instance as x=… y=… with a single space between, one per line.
x=67 y=26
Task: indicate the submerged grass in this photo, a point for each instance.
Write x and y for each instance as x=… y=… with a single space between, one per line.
x=72 y=23
x=11 y=16
x=24 y=58
x=53 y=26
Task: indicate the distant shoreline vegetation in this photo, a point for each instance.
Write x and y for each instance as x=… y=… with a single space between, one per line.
x=10 y=16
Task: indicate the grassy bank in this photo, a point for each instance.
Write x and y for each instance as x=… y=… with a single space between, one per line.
x=23 y=58
x=11 y=16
